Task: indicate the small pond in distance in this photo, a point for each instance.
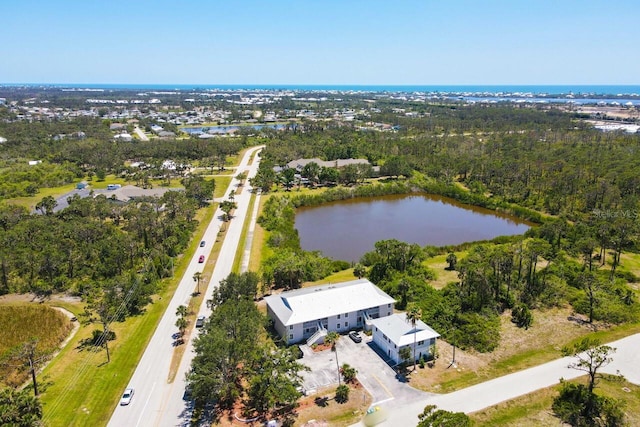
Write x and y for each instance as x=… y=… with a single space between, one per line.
x=347 y=229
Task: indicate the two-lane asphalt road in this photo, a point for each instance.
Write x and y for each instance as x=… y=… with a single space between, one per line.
x=156 y=401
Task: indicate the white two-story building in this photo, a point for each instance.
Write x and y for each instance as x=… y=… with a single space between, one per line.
x=392 y=333
x=309 y=313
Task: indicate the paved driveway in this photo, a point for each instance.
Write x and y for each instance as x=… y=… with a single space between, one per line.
x=376 y=376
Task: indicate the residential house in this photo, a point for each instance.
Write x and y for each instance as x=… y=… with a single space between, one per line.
x=392 y=333
x=127 y=193
x=310 y=313
x=166 y=134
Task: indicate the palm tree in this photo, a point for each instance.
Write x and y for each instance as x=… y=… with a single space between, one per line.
x=413 y=315
x=196 y=278
x=182 y=311
x=332 y=338
x=182 y=323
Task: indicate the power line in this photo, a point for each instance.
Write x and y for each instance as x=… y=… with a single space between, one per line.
x=90 y=359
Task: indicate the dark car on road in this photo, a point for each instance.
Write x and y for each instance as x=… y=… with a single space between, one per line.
x=200 y=321
x=202 y=243
x=355 y=336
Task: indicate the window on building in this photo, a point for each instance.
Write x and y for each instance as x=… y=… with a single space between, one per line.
x=291 y=327
x=338 y=316
x=420 y=342
x=338 y=325
x=346 y=315
x=346 y=324
x=389 y=305
x=290 y=336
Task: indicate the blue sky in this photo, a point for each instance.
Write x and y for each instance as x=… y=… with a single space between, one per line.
x=320 y=42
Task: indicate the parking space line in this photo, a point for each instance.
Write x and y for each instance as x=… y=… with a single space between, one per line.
x=379 y=402
x=383 y=386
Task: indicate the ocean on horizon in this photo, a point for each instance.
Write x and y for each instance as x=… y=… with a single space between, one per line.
x=453 y=89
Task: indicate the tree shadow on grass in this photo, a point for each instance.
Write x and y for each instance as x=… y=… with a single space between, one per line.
x=321 y=401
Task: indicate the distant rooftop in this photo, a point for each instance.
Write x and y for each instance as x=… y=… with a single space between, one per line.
x=300 y=163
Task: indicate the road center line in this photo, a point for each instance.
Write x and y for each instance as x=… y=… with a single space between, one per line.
x=145 y=404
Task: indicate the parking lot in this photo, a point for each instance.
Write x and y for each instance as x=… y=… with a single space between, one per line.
x=376 y=376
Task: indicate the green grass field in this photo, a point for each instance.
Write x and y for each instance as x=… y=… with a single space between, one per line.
x=443 y=276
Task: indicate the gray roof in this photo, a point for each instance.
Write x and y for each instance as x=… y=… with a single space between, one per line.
x=128 y=192
x=317 y=302
x=400 y=331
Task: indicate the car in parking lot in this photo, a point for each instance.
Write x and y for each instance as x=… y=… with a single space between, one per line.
x=201 y=259
x=200 y=321
x=355 y=336
x=127 y=396
x=202 y=243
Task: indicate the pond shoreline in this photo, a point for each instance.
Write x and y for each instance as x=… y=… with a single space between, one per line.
x=348 y=228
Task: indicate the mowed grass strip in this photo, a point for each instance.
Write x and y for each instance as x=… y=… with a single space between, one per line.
x=237 y=262
x=21 y=322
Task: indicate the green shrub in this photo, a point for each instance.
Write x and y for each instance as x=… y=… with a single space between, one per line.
x=97 y=337
x=340 y=265
x=348 y=373
x=577 y=407
x=522 y=316
x=342 y=394
x=480 y=331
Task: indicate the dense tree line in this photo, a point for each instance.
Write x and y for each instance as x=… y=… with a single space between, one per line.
x=95 y=244
x=235 y=362
x=544 y=160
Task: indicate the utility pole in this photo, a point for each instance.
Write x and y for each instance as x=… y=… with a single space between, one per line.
x=29 y=352
x=453 y=359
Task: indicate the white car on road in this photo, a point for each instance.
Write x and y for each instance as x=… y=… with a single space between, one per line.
x=127 y=396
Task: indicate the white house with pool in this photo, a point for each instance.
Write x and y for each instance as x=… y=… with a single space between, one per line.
x=393 y=333
x=310 y=313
